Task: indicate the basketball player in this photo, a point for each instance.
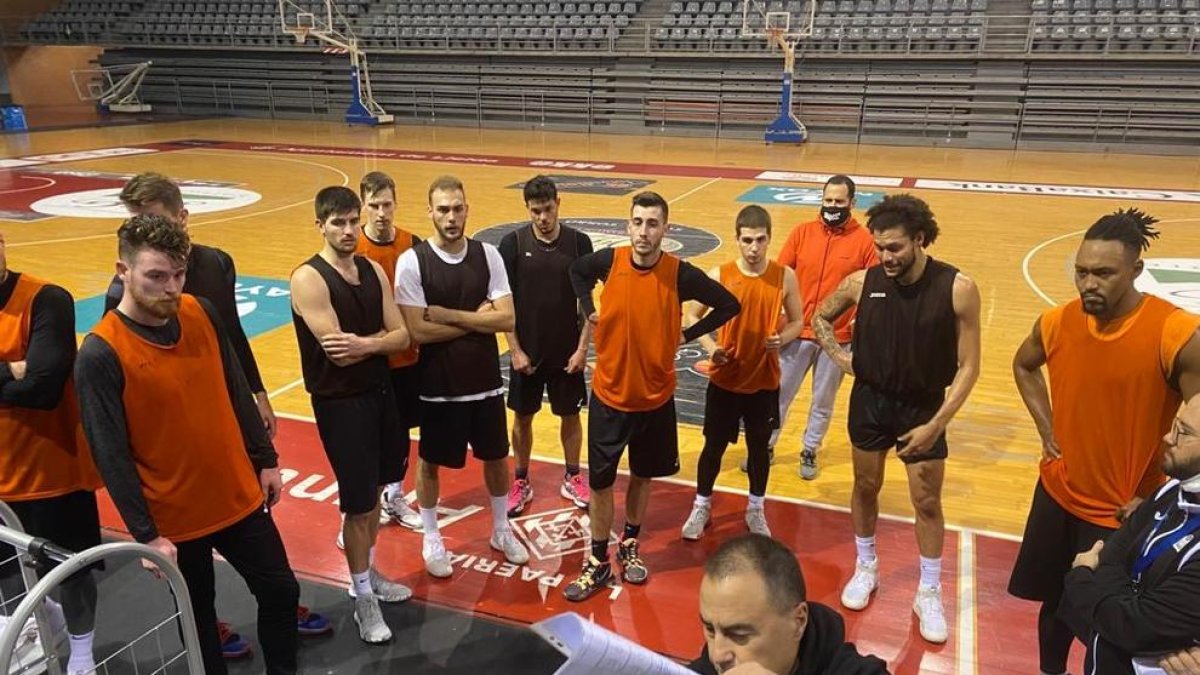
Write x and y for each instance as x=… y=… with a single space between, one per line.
x=384 y=243
x=549 y=347
x=638 y=332
x=743 y=384
x=822 y=252
x=179 y=443
x=915 y=361
x=346 y=325
x=455 y=297
x=46 y=471
x=1118 y=362
x=210 y=275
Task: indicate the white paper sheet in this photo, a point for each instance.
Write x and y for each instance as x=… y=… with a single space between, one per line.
x=592 y=650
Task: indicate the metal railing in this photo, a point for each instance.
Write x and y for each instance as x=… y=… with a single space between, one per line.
x=182 y=622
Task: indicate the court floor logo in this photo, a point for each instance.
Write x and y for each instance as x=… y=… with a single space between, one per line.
x=105 y=203
x=794 y=196
x=1174 y=279
x=556 y=534
x=682 y=240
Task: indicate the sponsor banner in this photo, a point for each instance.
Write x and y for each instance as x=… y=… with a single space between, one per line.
x=263 y=305
x=104 y=203
x=82 y=155
x=1176 y=280
x=1140 y=194
x=16 y=163
x=593 y=186
x=810 y=197
x=806 y=177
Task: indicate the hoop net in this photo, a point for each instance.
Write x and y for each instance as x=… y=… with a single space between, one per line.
x=301 y=34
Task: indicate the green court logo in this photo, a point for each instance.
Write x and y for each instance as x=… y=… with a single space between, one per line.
x=1176 y=280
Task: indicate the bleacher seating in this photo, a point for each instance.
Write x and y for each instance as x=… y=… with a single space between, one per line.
x=838 y=25
x=1114 y=25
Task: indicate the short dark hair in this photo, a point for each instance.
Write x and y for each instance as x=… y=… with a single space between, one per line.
x=447 y=183
x=540 y=189
x=336 y=199
x=1131 y=227
x=773 y=562
x=153 y=232
x=374 y=182
x=152 y=188
x=752 y=217
x=840 y=179
x=649 y=200
x=906 y=211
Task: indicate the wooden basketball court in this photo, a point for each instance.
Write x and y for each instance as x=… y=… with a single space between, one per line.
x=1010 y=220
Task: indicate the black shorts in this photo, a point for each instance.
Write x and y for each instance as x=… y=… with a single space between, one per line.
x=567 y=391
x=878 y=419
x=1053 y=537
x=406 y=384
x=448 y=427
x=652 y=437
x=725 y=412
x=364 y=443
x=71 y=521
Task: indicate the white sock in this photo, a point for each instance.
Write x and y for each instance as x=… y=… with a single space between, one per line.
x=371 y=557
x=755 y=502
x=703 y=501
x=81 y=652
x=389 y=491
x=362 y=583
x=429 y=521
x=500 y=514
x=931 y=572
x=866 y=549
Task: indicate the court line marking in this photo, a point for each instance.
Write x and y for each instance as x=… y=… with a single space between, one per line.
x=693 y=191
x=201 y=223
x=1053 y=240
x=967 y=620
x=50 y=182
x=796 y=501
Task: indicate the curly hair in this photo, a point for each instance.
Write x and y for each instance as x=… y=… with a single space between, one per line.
x=153 y=232
x=906 y=211
x=1132 y=227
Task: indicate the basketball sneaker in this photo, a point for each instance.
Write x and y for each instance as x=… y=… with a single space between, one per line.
x=519 y=496
x=369 y=617
x=595 y=576
x=437 y=558
x=233 y=645
x=693 y=527
x=576 y=489
x=932 y=617
x=857 y=593
x=633 y=569
x=385 y=589
x=506 y=542
x=309 y=623
x=808 y=464
x=396 y=507
x=756 y=522
x=745 y=465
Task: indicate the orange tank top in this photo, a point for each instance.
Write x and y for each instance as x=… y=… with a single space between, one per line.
x=638 y=334
x=184 y=438
x=1112 y=403
x=387 y=255
x=42 y=452
x=752 y=367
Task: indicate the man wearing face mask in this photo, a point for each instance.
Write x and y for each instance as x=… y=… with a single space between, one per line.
x=757 y=620
x=1135 y=599
x=822 y=252
x=1119 y=363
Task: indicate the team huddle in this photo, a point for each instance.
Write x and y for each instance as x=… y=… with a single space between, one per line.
x=398 y=333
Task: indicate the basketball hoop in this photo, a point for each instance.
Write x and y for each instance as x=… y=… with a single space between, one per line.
x=300 y=33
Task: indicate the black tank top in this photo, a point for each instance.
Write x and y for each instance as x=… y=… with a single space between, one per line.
x=469 y=364
x=359 y=310
x=906 y=337
x=546 y=306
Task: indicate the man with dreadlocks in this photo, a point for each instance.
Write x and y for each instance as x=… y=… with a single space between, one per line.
x=1120 y=361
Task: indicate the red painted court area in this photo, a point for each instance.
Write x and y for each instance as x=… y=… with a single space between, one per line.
x=991 y=632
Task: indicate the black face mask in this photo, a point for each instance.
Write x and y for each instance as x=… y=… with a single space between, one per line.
x=835 y=216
